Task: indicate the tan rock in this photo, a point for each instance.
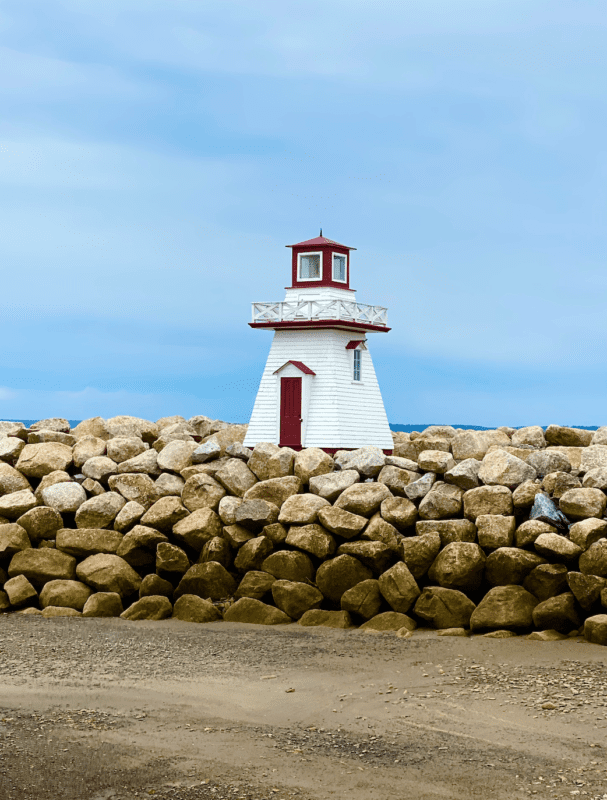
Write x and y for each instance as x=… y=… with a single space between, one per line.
x=217 y=549
x=301 y=509
x=545 y=462
x=546 y=580
x=587 y=532
x=444 y=608
x=41 y=566
x=389 y=621
x=464 y=474
x=209 y=580
x=41 y=523
x=95 y=426
x=281 y=463
x=85 y=542
x=435 y=461
x=318 y=618
x=593 y=561
x=504 y=607
x=129 y=514
x=88 y=447
x=378 y=530
x=375 y=555
x=474 y=444
x=595 y=479
x=13 y=538
x=443 y=500
x=134 y=487
x=259 y=463
x=295 y=598
x=37 y=460
x=125 y=425
x=60 y=611
x=557 y=613
x=144 y=464
x=290 y=566
x=399 y=512
x=487 y=500
x=103 y=604
x=573 y=454
x=586 y=589
x=10 y=448
x=527 y=532
x=169 y=485
x=15 y=504
x=274 y=490
x=500 y=468
x=151 y=607
x=419 y=552
x=531 y=435
x=363 y=600
x=255 y=584
x=153 y=584
x=236 y=535
x=254 y=515
x=399 y=588
x=202 y=491
x=312 y=539
x=253 y=553
x=310 y=462
x=109 y=573
x=197 y=528
x=595 y=629
x=367 y=461
x=123 y=448
x=495 y=530
x=337 y=575
x=449 y=530
x=568 y=437
x=19 y=591
x=332 y=484
x=583 y=503
x=459 y=565
x=175 y=456
x=190 y=608
x=99 y=512
x=249 y=610
x=68 y=594
x=227 y=509
x=165 y=513
x=11 y=480
x=138 y=546
x=91 y=487
x=99 y=468
x=524 y=494
x=236 y=477
x=363 y=499
x=171 y=559
x=508 y=566
x=397 y=479
x=557 y=548
x=418 y=489
x=230 y=435
x=341 y=522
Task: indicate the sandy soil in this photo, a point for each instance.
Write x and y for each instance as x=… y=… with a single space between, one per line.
x=103 y=709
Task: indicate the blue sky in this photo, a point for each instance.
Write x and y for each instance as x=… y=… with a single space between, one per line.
x=155 y=158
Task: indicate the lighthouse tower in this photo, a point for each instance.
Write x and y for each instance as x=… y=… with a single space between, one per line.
x=319 y=388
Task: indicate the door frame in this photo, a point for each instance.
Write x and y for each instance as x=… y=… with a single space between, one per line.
x=283 y=379
x=289 y=370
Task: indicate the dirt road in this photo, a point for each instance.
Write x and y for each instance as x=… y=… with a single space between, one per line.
x=103 y=709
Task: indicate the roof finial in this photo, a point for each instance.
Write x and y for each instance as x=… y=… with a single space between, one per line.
x=321 y=232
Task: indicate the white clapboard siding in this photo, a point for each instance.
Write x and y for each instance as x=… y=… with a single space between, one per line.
x=341 y=413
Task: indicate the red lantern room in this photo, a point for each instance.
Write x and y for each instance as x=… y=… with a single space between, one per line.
x=320 y=262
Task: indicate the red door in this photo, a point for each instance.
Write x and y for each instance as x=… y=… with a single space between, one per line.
x=290 y=412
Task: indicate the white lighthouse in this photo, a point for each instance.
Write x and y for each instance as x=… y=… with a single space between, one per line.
x=319 y=387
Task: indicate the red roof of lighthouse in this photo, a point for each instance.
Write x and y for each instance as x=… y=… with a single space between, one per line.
x=319 y=241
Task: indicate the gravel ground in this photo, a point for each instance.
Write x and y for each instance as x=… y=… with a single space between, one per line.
x=110 y=710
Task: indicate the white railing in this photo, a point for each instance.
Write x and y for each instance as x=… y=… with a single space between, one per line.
x=320 y=310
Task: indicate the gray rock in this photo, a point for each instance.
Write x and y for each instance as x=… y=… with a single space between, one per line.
x=546 y=461
x=544 y=510
x=331 y=485
x=367 y=461
x=10 y=448
x=419 y=488
x=207 y=452
x=238 y=450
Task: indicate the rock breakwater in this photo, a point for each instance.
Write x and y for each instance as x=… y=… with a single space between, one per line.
x=497 y=532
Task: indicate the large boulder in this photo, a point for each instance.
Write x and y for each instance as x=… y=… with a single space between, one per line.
x=399 y=511
x=583 y=503
x=593 y=457
x=524 y=494
x=145 y=463
x=363 y=600
x=255 y=584
x=367 y=461
x=174 y=457
x=487 y=500
x=301 y=509
x=332 y=484
x=153 y=584
x=449 y=530
x=236 y=535
x=85 y=542
x=528 y=531
x=557 y=548
x=191 y=608
x=595 y=629
x=557 y=483
x=41 y=523
x=586 y=588
x=548 y=461
x=274 y=490
x=259 y=462
x=295 y=598
x=495 y=530
x=437 y=461
x=312 y=539
x=464 y=474
x=558 y=613
x=281 y=463
x=171 y=559
x=504 y=607
x=399 y=588
x=363 y=499
x=337 y=575
x=236 y=477
x=389 y=621
x=227 y=509
x=138 y=546
x=509 y=565
x=396 y=479
x=289 y=566
x=475 y=444
x=209 y=580
x=66 y=498
x=310 y=462
x=547 y=580
x=153 y=607
x=19 y=591
x=119 y=449
x=420 y=487
x=377 y=556
x=253 y=553
x=41 y=566
x=10 y=448
x=340 y=522
x=378 y=530
x=202 y=491
x=594 y=560
x=11 y=480
x=444 y=608
x=254 y=515
x=109 y=573
x=15 y=504
x=318 y=618
x=129 y=514
x=254 y=611
x=419 y=552
x=68 y=594
x=134 y=487
x=13 y=538
x=532 y=435
x=125 y=425
x=459 y=565
x=99 y=468
x=568 y=437
x=443 y=500
x=164 y=514
x=38 y=460
x=217 y=549
x=100 y=511
x=197 y=528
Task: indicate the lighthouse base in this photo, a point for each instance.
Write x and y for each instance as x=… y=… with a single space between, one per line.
x=315 y=392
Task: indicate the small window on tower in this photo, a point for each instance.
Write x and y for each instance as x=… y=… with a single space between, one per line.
x=339 y=268
x=356 y=365
x=309 y=267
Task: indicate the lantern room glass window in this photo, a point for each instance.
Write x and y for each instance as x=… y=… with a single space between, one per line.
x=357 y=362
x=339 y=268
x=310 y=267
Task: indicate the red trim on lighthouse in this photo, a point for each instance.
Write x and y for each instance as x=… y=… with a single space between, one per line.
x=354 y=344
x=299 y=364
x=326 y=247
x=320 y=241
